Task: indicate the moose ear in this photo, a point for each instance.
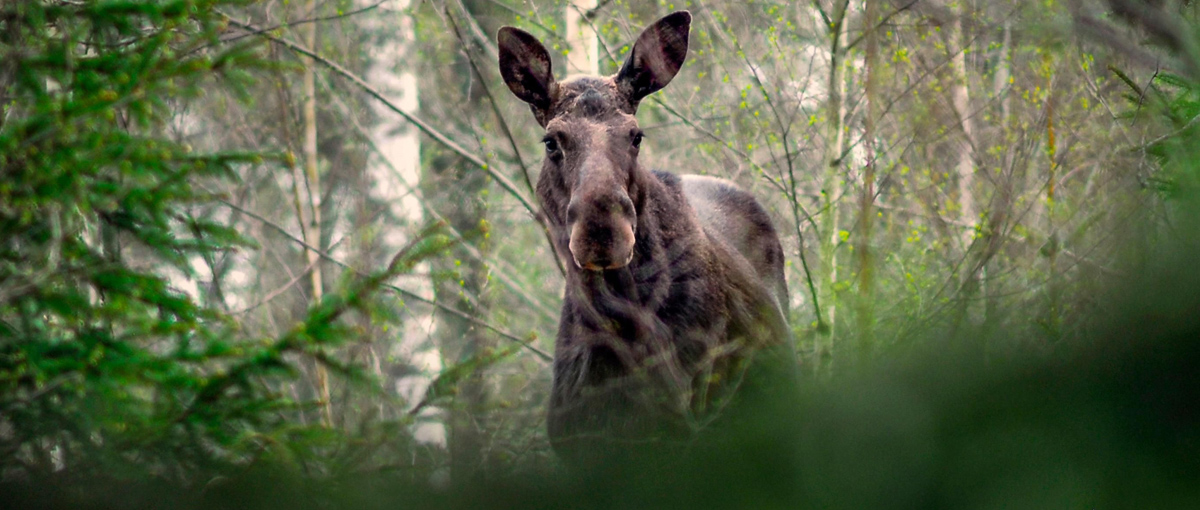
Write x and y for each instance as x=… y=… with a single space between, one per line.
x=525 y=66
x=656 y=57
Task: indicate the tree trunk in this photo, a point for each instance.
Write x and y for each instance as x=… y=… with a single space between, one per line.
x=832 y=184
x=866 y=215
x=456 y=188
x=961 y=98
x=968 y=216
x=1006 y=189
x=583 y=54
x=1052 y=245
x=312 y=228
x=392 y=178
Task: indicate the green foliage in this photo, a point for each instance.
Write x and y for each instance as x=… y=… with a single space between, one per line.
x=105 y=367
x=1111 y=425
x=1177 y=102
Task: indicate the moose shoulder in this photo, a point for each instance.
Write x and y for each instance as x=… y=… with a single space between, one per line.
x=675 y=284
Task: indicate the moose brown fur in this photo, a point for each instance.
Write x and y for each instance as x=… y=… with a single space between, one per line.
x=674 y=283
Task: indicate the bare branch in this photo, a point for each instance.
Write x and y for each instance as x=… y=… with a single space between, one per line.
x=407 y=294
x=438 y=136
x=512 y=141
x=881 y=23
x=292 y=24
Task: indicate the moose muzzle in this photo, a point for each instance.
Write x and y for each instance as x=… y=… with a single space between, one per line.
x=602 y=230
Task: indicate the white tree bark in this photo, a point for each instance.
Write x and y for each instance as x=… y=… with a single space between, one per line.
x=394 y=173
x=1004 y=72
x=583 y=56
x=312 y=230
x=961 y=99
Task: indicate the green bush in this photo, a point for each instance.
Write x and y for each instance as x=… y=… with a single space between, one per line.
x=105 y=368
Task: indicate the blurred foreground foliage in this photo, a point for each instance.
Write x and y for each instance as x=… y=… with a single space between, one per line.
x=118 y=390
x=1110 y=425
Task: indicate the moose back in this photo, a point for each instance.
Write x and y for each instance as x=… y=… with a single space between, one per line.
x=675 y=283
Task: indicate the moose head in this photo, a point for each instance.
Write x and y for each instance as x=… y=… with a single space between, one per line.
x=591 y=186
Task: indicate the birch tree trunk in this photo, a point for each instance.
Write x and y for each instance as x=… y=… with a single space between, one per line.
x=312 y=227
x=961 y=98
x=835 y=146
x=583 y=56
x=968 y=216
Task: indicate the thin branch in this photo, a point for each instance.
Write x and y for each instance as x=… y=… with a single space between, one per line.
x=416 y=121
x=880 y=24
x=481 y=39
x=821 y=10
x=277 y=292
x=212 y=389
x=508 y=281
x=487 y=91
x=512 y=140
x=1167 y=136
x=790 y=192
x=408 y=294
x=292 y=24
x=594 y=11
x=532 y=20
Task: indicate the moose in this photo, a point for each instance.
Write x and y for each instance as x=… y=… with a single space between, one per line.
x=675 y=285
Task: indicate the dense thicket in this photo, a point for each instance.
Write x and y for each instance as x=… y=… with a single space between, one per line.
x=106 y=367
x=300 y=235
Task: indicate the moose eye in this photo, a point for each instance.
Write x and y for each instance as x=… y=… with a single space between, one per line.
x=637 y=138
x=551 y=145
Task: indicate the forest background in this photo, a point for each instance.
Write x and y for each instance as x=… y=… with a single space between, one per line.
x=303 y=234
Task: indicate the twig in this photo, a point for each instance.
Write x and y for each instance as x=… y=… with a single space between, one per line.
x=508 y=281
x=438 y=136
x=791 y=193
x=275 y=293
x=469 y=318
x=290 y=24
x=594 y=11
x=881 y=23
x=532 y=20
x=213 y=388
x=512 y=141
x=481 y=39
x=1172 y=134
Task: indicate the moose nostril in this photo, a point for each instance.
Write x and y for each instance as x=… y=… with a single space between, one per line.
x=572 y=212
x=626 y=205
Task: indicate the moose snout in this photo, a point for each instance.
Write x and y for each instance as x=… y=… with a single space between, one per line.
x=602 y=232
